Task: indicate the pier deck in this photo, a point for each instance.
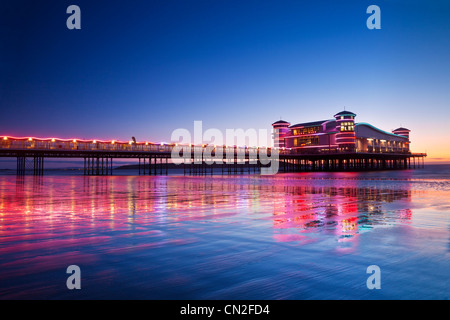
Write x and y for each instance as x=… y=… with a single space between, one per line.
x=98 y=157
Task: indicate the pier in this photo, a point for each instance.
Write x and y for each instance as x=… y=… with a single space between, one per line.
x=156 y=159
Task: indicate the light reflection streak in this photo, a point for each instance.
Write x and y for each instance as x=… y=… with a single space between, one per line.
x=94 y=216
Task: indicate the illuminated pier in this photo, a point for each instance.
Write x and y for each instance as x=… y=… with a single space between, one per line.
x=156 y=158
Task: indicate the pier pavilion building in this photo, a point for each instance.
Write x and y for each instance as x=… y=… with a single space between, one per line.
x=340 y=134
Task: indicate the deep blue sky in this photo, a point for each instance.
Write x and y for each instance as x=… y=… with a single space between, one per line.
x=145 y=68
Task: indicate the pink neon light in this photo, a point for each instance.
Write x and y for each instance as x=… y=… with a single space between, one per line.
x=76 y=140
x=97 y=141
x=305 y=135
x=317 y=146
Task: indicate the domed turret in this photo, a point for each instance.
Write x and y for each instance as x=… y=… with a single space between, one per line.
x=345 y=114
x=402 y=132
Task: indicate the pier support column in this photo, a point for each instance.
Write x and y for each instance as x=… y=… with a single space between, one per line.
x=37 y=166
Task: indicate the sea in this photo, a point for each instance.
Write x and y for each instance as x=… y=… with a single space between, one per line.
x=289 y=236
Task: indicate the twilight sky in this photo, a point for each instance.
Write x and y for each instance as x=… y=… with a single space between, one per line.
x=144 y=68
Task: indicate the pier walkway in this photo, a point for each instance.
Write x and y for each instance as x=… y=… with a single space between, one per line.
x=156 y=158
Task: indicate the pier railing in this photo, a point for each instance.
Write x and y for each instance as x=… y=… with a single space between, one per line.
x=32 y=143
x=113 y=145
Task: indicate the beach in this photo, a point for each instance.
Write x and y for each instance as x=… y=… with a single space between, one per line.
x=285 y=236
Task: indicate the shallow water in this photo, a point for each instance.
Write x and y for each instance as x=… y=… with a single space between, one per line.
x=288 y=236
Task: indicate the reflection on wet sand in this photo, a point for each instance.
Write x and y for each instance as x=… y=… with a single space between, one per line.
x=211 y=223
x=113 y=203
x=345 y=212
